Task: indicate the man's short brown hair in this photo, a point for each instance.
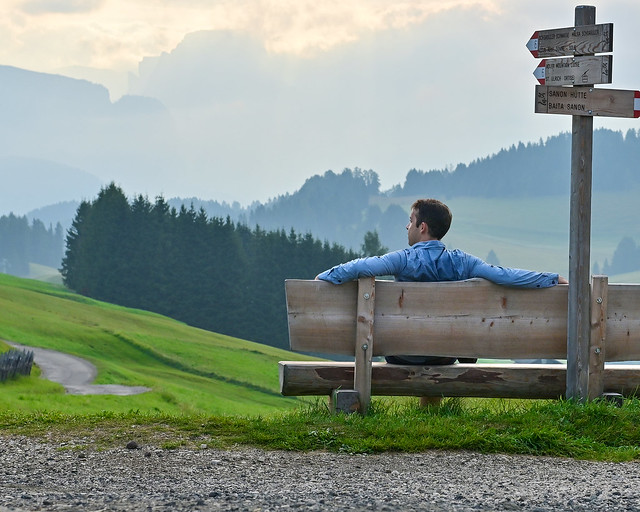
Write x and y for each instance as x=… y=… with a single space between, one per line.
x=435 y=213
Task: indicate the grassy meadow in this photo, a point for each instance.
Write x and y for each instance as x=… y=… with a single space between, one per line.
x=191 y=371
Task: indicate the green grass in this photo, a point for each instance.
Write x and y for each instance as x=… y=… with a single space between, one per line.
x=191 y=371
x=596 y=431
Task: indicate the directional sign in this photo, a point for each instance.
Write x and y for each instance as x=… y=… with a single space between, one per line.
x=575 y=70
x=581 y=40
x=587 y=101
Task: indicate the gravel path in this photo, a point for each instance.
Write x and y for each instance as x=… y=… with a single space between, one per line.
x=35 y=476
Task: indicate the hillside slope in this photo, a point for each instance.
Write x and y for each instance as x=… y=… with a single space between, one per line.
x=190 y=370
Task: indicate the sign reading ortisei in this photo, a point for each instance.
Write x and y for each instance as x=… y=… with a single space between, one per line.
x=587 y=70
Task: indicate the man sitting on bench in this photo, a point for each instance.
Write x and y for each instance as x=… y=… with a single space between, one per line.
x=427 y=259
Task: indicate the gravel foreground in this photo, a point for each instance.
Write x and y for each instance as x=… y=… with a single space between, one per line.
x=36 y=476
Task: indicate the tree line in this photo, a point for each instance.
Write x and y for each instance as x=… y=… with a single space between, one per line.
x=208 y=272
x=532 y=169
x=22 y=242
x=340 y=207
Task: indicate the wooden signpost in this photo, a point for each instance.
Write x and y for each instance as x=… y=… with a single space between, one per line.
x=578 y=71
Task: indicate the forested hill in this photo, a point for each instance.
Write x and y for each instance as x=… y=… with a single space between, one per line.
x=534 y=169
x=342 y=206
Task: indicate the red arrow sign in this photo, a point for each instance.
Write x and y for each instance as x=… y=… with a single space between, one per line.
x=541 y=72
x=532 y=44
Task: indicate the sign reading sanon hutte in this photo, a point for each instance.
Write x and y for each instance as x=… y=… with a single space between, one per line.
x=587 y=101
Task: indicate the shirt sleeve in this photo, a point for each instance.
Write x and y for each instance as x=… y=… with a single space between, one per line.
x=510 y=276
x=390 y=264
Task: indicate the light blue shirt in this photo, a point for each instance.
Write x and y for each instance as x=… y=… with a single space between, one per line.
x=431 y=261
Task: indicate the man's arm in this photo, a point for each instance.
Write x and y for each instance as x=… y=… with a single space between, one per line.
x=387 y=265
x=513 y=276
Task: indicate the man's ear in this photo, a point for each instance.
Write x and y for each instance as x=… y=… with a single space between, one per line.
x=424 y=228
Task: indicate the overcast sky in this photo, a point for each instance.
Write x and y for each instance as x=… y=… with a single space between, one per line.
x=473 y=96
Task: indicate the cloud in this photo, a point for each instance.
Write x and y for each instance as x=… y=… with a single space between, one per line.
x=37 y=7
x=308 y=26
x=118 y=34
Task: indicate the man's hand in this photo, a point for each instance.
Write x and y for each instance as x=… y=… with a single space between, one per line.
x=562 y=280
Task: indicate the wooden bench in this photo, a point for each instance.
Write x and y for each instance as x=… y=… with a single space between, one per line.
x=470 y=319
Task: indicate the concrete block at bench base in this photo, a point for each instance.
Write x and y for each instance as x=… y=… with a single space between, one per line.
x=345 y=400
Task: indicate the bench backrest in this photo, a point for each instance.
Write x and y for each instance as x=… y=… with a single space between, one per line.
x=473 y=318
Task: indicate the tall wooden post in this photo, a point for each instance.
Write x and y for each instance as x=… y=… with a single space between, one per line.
x=578 y=330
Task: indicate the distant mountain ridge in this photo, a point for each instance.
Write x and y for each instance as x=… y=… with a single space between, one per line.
x=31 y=183
x=71 y=127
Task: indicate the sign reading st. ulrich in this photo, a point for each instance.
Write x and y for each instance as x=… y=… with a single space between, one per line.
x=581 y=40
x=587 y=101
x=587 y=70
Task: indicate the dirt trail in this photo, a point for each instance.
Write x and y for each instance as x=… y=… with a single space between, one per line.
x=74 y=373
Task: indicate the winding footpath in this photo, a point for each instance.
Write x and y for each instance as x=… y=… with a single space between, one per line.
x=74 y=373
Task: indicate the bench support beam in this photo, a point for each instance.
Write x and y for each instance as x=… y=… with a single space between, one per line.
x=364 y=340
x=599 y=286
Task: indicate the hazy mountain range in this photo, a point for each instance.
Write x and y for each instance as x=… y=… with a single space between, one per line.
x=58 y=135
x=61 y=139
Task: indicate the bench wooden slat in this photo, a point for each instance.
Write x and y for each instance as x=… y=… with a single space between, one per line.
x=310 y=378
x=321 y=316
x=432 y=318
